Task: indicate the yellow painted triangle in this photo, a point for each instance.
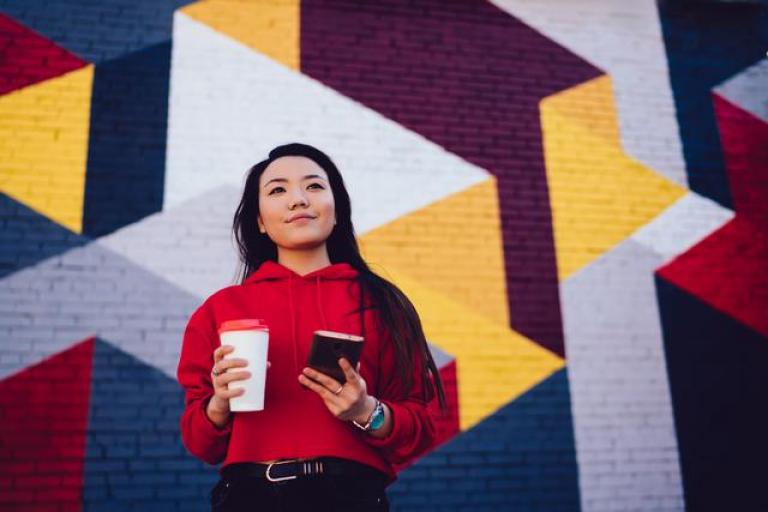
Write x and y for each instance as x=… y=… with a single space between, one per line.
x=452 y=246
x=44 y=146
x=270 y=27
x=598 y=194
x=494 y=364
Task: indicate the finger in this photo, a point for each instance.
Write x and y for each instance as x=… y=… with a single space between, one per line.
x=231 y=363
x=233 y=376
x=319 y=389
x=349 y=372
x=220 y=352
x=226 y=394
x=325 y=380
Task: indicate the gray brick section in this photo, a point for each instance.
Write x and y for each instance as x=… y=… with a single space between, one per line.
x=749 y=90
x=91 y=291
x=622 y=411
x=190 y=245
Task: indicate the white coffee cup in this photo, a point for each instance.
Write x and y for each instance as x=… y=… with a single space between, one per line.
x=250 y=338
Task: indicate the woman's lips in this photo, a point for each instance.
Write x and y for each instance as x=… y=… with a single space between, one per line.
x=297 y=219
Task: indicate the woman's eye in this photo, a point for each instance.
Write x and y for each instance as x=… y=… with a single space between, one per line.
x=319 y=186
x=276 y=189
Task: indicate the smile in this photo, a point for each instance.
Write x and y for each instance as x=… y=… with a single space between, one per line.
x=300 y=217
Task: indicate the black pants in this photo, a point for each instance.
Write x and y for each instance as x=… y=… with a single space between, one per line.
x=317 y=493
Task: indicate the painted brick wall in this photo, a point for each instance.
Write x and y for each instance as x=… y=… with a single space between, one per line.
x=529 y=173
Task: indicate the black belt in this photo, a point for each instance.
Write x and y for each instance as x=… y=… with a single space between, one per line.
x=291 y=469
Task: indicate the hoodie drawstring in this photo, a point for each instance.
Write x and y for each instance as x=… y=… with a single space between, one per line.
x=293 y=323
x=320 y=303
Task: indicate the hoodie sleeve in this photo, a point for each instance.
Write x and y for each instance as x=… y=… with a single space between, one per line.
x=413 y=428
x=200 y=436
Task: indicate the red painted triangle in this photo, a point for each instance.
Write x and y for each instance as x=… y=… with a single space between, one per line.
x=727 y=270
x=27 y=58
x=44 y=419
x=745 y=146
x=446 y=424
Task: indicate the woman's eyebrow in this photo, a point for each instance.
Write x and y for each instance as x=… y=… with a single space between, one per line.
x=307 y=177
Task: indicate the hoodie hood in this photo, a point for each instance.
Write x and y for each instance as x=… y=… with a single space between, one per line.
x=273 y=271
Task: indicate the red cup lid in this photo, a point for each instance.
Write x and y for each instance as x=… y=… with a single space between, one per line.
x=243 y=324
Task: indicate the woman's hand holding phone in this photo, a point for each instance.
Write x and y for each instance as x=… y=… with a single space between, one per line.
x=347 y=401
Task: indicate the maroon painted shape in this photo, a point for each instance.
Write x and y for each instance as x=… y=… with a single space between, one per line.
x=469 y=77
x=744 y=139
x=27 y=58
x=44 y=411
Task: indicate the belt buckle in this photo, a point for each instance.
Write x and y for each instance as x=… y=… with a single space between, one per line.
x=280 y=478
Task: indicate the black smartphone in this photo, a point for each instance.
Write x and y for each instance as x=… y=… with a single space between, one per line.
x=328 y=347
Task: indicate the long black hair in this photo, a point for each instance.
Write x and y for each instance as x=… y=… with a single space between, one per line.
x=396 y=312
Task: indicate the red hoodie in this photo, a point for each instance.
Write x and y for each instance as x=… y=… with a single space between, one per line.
x=295 y=422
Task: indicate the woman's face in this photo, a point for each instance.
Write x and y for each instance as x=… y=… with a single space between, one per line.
x=296 y=206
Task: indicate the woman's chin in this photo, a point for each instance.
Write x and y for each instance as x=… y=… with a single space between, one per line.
x=308 y=244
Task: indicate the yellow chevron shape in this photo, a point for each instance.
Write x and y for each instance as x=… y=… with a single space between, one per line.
x=44 y=145
x=494 y=364
x=267 y=26
x=598 y=194
x=453 y=247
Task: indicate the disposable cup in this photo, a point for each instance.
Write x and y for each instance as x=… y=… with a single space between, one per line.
x=250 y=338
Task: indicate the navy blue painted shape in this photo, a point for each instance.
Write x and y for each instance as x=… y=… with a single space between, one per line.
x=98 y=31
x=126 y=152
x=27 y=237
x=521 y=458
x=719 y=385
x=134 y=456
x=707 y=44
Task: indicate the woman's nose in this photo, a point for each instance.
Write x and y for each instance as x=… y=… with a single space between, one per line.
x=298 y=198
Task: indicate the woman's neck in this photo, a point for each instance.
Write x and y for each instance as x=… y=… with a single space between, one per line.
x=304 y=261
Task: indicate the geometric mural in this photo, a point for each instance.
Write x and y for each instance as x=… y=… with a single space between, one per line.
x=451 y=100
x=706 y=46
x=717 y=363
x=43 y=432
x=496 y=464
x=126 y=152
x=585 y=168
x=717 y=374
x=574 y=198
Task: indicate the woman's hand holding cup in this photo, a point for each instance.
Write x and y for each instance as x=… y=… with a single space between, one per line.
x=223 y=372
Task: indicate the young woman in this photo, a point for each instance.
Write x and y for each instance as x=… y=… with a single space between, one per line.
x=319 y=442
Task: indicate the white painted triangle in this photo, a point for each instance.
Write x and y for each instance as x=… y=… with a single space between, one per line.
x=748 y=90
x=230 y=105
x=190 y=246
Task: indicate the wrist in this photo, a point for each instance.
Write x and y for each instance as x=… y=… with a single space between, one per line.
x=217 y=416
x=364 y=416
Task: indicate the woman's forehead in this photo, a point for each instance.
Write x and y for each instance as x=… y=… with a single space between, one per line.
x=292 y=167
